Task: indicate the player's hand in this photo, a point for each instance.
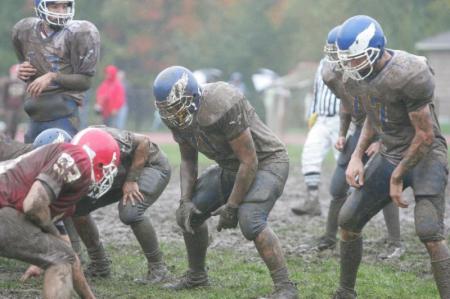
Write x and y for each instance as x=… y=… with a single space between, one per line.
x=373 y=149
x=184 y=215
x=36 y=87
x=355 y=173
x=131 y=193
x=228 y=216
x=395 y=191
x=25 y=71
x=32 y=271
x=340 y=143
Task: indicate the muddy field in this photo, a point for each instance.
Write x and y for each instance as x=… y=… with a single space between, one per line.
x=294 y=231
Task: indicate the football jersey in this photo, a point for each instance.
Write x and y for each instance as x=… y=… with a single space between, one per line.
x=72 y=50
x=405 y=84
x=223 y=115
x=333 y=79
x=64 y=168
x=127 y=144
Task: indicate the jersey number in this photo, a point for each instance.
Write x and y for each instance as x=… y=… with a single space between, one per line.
x=66 y=168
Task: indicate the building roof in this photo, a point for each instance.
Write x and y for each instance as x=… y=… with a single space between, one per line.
x=440 y=42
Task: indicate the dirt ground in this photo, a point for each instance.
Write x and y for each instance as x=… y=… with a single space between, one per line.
x=293 y=231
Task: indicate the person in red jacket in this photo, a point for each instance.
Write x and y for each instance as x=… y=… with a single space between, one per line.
x=110 y=96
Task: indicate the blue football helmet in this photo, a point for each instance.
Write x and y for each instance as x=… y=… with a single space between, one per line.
x=177 y=96
x=330 y=48
x=58 y=19
x=360 y=43
x=51 y=136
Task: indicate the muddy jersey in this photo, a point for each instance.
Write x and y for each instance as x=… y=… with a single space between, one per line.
x=10 y=149
x=64 y=168
x=72 y=50
x=127 y=144
x=405 y=84
x=223 y=115
x=333 y=79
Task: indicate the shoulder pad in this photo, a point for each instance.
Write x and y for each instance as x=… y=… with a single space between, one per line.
x=81 y=26
x=404 y=67
x=217 y=99
x=26 y=24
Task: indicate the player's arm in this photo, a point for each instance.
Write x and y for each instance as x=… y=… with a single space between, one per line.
x=244 y=149
x=355 y=169
x=420 y=146
x=140 y=157
x=365 y=139
x=36 y=207
x=188 y=178
x=77 y=82
x=188 y=170
x=345 y=118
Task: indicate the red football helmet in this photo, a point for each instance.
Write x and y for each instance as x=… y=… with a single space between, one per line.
x=104 y=152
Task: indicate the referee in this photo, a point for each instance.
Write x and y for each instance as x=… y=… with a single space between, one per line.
x=323 y=122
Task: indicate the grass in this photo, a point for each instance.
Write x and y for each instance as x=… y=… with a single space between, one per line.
x=294 y=151
x=234 y=275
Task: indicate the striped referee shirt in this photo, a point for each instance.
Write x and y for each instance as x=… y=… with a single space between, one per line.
x=325 y=103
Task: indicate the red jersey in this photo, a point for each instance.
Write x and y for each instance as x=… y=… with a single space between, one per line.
x=64 y=168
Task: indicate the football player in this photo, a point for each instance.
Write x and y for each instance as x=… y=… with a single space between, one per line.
x=351 y=113
x=43 y=186
x=143 y=174
x=252 y=169
x=396 y=89
x=57 y=58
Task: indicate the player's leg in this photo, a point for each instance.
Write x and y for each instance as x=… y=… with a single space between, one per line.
x=21 y=240
x=100 y=265
x=359 y=208
x=152 y=183
x=253 y=213
x=429 y=180
x=394 y=247
x=208 y=196
x=315 y=149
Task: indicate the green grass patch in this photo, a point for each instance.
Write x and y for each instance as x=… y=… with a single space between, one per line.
x=235 y=275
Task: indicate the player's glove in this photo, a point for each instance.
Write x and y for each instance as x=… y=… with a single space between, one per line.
x=228 y=216
x=184 y=214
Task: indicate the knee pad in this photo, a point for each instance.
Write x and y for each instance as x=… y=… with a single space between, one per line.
x=251 y=223
x=428 y=222
x=129 y=214
x=348 y=220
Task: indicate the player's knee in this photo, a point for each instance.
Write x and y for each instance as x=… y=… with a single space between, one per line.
x=251 y=223
x=348 y=220
x=427 y=221
x=338 y=191
x=129 y=215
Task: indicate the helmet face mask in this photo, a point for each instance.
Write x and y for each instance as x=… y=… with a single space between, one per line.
x=177 y=113
x=360 y=44
x=57 y=19
x=359 y=66
x=104 y=178
x=177 y=96
x=104 y=153
x=331 y=53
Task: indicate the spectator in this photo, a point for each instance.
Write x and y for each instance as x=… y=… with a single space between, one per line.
x=110 y=96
